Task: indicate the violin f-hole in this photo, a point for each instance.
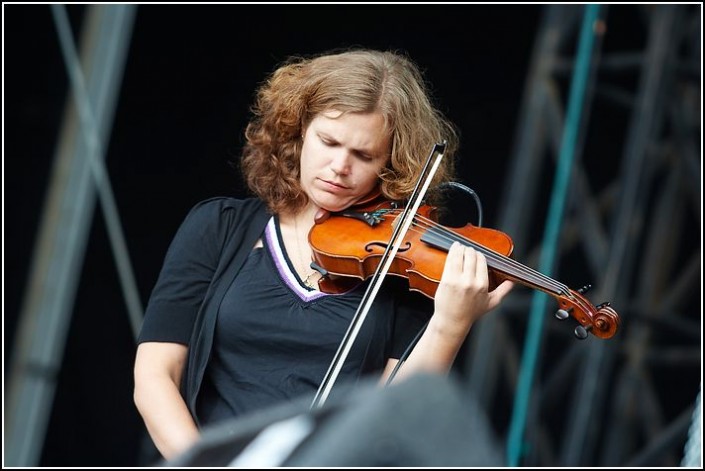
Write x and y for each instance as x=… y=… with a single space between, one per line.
x=370 y=247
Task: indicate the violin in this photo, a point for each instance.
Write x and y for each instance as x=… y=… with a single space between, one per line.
x=348 y=245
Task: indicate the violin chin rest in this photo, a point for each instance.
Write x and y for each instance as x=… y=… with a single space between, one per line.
x=321 y=216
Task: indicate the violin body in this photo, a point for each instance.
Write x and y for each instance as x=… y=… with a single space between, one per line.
x=349 y=246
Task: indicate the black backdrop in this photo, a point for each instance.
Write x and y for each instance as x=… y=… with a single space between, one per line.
x=189 y=78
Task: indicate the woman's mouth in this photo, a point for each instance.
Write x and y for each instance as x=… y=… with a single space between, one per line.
x=333 y=186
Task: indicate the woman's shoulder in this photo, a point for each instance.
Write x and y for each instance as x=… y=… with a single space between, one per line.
x=223 y=212
x=219 y=207
x=222 y=203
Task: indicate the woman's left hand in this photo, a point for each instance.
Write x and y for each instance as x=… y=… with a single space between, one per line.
x=463 y=294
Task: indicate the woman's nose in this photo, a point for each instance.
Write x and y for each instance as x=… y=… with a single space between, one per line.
x=340 y=163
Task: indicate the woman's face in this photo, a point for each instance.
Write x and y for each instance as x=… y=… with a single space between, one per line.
x=341 y=158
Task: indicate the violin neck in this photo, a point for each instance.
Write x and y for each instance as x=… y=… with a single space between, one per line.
x=442 y=239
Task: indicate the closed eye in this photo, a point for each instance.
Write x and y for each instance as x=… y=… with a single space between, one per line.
x=359 y=154
x=364 y=156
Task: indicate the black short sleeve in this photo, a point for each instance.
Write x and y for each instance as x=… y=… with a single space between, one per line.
x=189 y=266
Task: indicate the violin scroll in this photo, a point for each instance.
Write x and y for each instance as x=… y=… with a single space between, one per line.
x=601 y=320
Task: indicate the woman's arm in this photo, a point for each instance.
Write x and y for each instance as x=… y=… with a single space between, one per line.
x=158 y=370
x=461 y=299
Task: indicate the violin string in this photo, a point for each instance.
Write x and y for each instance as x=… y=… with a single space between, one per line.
x=501 y=262
x=504 y=265
x=511 y=266
x=449 y=236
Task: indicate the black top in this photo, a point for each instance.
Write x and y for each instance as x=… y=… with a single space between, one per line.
x=271 y=338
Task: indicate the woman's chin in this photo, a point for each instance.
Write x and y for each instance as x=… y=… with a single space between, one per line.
x=333 y=204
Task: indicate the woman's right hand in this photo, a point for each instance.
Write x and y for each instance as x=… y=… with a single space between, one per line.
x=158 y=370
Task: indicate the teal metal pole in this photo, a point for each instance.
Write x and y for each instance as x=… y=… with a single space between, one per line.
x=515 y=444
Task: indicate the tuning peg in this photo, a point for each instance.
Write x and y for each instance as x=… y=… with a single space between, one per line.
x=584 y=289
x=600 y=306
x=581 y=332
x=562 y=314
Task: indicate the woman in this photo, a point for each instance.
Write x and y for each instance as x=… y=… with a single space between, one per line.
x=235 y=322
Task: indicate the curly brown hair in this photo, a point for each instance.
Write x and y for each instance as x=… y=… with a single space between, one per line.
x=357 y=81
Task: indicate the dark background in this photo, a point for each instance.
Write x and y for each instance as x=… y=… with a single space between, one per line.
x=190 y=76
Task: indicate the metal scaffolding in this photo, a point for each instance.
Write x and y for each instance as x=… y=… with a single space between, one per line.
x=79 y=178
x=630 y=229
